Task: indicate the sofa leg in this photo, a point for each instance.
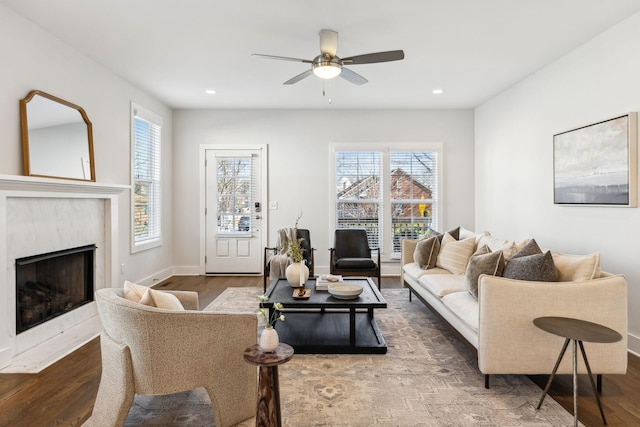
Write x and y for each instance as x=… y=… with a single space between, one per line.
x=486 y=381
x=599 y=383
x=410 y=295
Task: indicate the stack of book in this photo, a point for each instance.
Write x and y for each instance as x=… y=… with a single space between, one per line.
x=323 y=281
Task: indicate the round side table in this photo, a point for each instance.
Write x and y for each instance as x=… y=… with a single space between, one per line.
x=268 y=410
x=577 y=331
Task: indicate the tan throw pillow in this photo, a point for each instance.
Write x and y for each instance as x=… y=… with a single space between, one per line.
x=482 y=262
x=426 y=252
x=576 y=267
x=454 y=254
x=134 y=292
x=161 y=299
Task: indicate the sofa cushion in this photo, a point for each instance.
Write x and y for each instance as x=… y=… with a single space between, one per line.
x=536 y=267
x=426 y=252
x=412 y=269
x=442 y=284
x=465 y=306
x=160 y=299
x=454 y=254
x=357 y=263
x=482 y=262
x=576 y=267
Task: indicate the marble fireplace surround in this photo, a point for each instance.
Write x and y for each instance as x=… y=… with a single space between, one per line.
x=40 y=215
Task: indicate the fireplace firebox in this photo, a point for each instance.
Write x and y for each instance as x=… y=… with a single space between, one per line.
x=51 y=284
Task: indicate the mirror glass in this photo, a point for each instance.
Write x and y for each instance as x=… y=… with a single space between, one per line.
x=57 y=140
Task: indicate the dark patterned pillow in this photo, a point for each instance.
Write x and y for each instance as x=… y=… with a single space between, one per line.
x=455 y=233
x=537 y=267
x=483 y=261
x=531 y=248
x=426 y=252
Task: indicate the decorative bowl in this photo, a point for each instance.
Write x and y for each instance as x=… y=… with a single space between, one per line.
x=345 y=290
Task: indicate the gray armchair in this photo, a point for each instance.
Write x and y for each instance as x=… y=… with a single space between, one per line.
x=148 y=350
x=351 y=254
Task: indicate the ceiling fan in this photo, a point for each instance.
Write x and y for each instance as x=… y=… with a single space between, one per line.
x=328 y=65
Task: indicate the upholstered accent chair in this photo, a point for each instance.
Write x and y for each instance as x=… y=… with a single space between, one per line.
x=153 y=351
x=351 y=254
x=276 y=258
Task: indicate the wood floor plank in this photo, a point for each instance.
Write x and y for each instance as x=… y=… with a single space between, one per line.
x=64 y=393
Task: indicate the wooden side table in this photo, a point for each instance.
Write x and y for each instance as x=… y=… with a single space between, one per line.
x=268 y=410
x=577 y=331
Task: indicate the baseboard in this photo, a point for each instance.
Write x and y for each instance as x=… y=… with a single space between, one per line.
x=633 y=344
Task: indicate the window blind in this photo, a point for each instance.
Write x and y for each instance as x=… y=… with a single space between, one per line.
x=413 y=194
x=146 y=177
x=359 y=195
x=236 y=187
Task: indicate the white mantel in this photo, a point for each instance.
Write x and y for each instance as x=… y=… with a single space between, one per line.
x=57 y=212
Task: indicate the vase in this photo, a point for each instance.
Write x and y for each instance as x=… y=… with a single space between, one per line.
x=269 y=340
x=297 y=274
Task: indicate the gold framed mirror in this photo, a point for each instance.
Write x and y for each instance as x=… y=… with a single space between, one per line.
x=57 y=138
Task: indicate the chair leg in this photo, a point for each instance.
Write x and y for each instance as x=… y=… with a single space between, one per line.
x=116 y=391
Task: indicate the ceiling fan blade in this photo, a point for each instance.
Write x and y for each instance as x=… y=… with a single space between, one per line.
x=282 y=58
x=328 y=42
x=371 y=58
x=352 y=77
x=299 y=77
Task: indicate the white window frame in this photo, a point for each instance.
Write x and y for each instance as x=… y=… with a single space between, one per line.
x=156 y=214
x=386 y=149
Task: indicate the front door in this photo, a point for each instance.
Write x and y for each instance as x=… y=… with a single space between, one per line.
x=233 y=214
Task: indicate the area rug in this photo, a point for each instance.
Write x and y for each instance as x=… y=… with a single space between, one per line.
x=427 y=378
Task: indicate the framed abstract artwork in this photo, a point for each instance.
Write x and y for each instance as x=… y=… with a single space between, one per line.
x=597 y=164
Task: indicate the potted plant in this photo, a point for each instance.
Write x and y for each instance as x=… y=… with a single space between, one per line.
x=269 y=339
x=297 y=272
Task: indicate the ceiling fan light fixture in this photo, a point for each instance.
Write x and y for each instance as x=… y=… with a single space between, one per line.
x=327 y=67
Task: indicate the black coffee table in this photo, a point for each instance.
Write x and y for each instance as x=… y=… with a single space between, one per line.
x=322 y=324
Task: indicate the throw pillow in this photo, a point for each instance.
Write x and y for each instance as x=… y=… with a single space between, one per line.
x=536 y=267
x=531 y=248
x=160 y=299
x=426 y=252
x=482 y=262
x=576 y=267
x=133 y=291
x=454 y=254
x=455 y=233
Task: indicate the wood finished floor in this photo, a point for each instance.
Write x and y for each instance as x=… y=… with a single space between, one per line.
x=64 y=393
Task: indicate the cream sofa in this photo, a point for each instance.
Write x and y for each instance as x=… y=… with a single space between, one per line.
x=499 y=324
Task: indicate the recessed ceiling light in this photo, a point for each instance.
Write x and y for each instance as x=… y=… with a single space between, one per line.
x=437 y=91
x=210 y=92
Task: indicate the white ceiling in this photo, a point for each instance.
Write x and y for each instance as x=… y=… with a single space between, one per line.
x=473 y=49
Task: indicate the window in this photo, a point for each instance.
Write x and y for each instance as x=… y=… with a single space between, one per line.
x=359 y=202
x=234 y=193
x=146 y=171
x=392 y=192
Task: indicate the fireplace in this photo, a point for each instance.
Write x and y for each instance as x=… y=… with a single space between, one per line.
x=52 y=284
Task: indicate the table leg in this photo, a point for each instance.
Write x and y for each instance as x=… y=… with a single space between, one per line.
x=553 y=373
x=593 y=385
x=268 y=412
x=352 y=327
x=575 y=383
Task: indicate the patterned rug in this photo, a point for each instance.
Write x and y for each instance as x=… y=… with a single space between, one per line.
x=427 y=378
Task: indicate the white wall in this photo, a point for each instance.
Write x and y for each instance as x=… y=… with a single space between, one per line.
x=514 y=156
x=298 y=144
x=33 y=59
